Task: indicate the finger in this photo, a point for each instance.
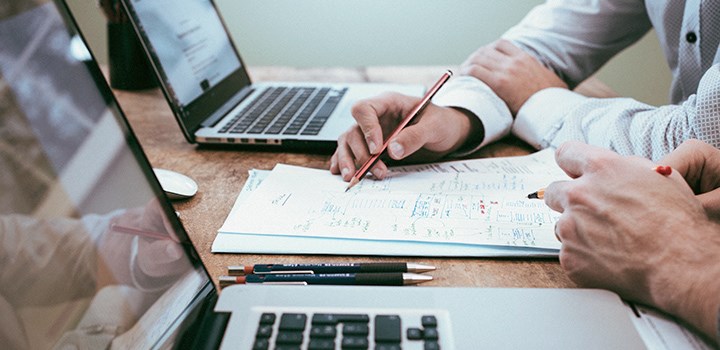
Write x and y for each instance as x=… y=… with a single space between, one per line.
x=438 y=130
x=711 y=203
x=353 y=154
x=491 y=61
x=698 y=163
x=477 y=71
x=575 y=158
x=160 y=258
x=508 y=48
x=334 y=168
x=565 y=229
x=556 y=195
x=345 y=161
x=368 y=114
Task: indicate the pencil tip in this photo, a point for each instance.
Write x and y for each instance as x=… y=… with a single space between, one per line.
x=354 y=181
x=533 y=195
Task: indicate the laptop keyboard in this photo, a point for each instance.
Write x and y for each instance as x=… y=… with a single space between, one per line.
x=345 y=331
x=286 y=110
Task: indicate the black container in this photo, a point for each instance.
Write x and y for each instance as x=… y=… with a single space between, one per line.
x=129 y=67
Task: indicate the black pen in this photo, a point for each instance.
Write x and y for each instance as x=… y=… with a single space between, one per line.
x=329 y=268
x=376 y=279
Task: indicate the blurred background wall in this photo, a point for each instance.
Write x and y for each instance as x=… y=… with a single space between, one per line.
x=305 y=33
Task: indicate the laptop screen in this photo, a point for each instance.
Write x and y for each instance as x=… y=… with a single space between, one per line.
x=192 y=54
x=91 y=253
x=190 y=43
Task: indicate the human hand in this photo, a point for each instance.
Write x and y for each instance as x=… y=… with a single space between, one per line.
x=699 y=164
x=438 y=131
x=510 y=72
x=158 y=254
x=643 y=235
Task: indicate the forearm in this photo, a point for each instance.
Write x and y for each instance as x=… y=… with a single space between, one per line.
x=694 y=296
x=33 y=248
x=553 y=116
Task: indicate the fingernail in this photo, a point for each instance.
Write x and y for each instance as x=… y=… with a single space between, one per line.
x=372 y=147
x=396 y=149
x=344 y=171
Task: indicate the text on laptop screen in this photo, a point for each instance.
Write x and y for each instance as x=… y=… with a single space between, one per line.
x=90 y=254
x=190 y=43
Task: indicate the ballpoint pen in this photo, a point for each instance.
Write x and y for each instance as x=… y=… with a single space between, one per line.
x=379 y=279
x=360 y=173
x=329 y=268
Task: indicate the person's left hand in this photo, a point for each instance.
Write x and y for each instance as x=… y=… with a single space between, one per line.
x=699 y=163
x=513 y=74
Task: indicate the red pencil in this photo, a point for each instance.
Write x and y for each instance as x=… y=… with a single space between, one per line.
x=138 y=232
x=414 y=113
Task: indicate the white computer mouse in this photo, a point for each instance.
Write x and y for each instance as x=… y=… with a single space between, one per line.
x=176 y=185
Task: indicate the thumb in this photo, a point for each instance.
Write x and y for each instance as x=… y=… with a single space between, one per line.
x=161 y=258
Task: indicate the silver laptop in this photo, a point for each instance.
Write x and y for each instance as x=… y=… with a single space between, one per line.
x=210 y=92
x=94 y=256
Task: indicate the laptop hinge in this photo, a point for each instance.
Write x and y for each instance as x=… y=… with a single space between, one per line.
x=229 y=105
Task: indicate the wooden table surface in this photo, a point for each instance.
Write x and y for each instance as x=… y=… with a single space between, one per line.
x=221 y=173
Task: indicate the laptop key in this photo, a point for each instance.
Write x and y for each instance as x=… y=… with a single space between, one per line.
x=264 y=331
x=338 y=318
x=321 y=344
x=289 y=338
x=431 y=345
x=414 y=333
x=388 y=329
x=323 y=331
x=428 y=321
x=267 y=318
x=356 y=329
x=292 y=322
x=388 y=347
x=261 y=344
x=355 y=343
x=430 y=333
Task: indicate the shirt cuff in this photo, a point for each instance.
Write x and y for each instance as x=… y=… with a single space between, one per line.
x=542 y=115
x=477 y=98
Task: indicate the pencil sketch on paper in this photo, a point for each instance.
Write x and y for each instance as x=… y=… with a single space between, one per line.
x=483 y=204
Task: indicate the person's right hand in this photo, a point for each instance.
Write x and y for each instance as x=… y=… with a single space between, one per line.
x=437 y=132
x=699 y=163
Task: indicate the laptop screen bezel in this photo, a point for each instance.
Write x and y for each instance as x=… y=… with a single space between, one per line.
x=208 y=105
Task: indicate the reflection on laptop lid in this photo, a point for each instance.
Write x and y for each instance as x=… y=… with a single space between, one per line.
x=86 y=263
x=209 y=90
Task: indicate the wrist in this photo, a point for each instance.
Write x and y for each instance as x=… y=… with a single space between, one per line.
x=689 y=287
x=471 y=130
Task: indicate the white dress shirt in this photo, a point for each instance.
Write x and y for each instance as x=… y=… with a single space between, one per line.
x=575 y=38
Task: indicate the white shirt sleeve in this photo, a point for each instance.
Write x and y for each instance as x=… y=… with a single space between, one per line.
x=553 y=116
x=575 y=38
x=476 y=97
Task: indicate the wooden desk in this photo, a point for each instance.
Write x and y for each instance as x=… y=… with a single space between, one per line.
x=221 y=174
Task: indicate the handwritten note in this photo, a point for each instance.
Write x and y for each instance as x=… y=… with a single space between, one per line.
x=471 y=202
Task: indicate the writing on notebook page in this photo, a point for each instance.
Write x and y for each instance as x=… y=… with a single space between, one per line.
x=469 y=202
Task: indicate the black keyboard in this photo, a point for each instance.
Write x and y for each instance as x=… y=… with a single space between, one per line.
x=342 y=331
x=288 y=111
